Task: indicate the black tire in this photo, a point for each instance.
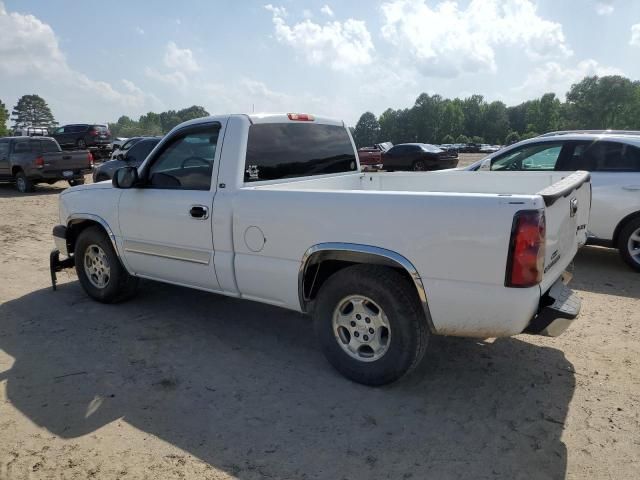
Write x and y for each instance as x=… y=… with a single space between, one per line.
x=627 y=240
x=23 y=184
x=76 y=181
x=81 y=144
x=419 y=166
x=396 y=296
x=120 y=285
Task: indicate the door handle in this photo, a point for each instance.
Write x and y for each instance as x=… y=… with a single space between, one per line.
x=199 y=211
x=66 y=157
x=632 y=188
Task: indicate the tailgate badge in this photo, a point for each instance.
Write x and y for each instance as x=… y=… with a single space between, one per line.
x=573 y=207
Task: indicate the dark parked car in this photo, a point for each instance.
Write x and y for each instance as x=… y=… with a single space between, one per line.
x=419 y=157
x=132 y=158
x=83 y=135
x=27 y=161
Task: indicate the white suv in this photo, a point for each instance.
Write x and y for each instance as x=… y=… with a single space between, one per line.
x=612 y=157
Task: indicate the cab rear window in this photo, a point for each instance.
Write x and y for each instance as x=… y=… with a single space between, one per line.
x=289 y=150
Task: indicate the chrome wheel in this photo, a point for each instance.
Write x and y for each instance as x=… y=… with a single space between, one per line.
x=419 y=166
x=96 y=266
x=361 y=328
x=634 y=246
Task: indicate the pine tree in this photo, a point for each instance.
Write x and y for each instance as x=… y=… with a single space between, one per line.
x=4 y=116
x=32 y=111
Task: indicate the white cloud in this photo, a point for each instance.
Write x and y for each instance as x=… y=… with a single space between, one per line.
x=553 y=77
x=326 y=9
x=139 y=30
x=30 y=52
x=175 y=79
x=635 y=35
x=181 y=59
x=341 y=45
x=604 y=7
x=448 y=40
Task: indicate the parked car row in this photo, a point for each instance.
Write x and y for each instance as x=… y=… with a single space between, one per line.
x=418 y=157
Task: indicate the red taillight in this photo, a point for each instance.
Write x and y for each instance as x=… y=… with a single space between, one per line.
x=300 y=117
x=525 y=264
x=39 y=162
x=93 y=133
x=90 y=158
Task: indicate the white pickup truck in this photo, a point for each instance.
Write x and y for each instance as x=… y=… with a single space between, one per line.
x=274 y=208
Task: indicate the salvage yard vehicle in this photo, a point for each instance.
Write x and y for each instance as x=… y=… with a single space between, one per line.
x=27 y=161
x=133 y=157
x=420 y=157
x=280 y=213
x=612 y=157
x=371 y=157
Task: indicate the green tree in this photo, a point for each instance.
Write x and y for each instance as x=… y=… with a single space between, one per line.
x=448 y=139
x=512 y=137
x=4 y=116
x=32 y=111
x=367 y=130
x=473 y=110
x=477 y=139
x=462 y=139
x=495 y=122
x=528 y=135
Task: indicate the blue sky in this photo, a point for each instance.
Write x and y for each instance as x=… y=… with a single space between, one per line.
x=99 y=60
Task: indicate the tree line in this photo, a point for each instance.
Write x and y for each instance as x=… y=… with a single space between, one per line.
x=593 y=103
x=33 y=111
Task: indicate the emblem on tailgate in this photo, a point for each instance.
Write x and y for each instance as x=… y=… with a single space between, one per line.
x=573 y=207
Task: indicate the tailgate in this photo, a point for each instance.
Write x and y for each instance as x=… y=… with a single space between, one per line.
x=567 y=207
x=56 y=162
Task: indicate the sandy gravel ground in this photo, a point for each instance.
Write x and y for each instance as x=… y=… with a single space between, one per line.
x=184 y=384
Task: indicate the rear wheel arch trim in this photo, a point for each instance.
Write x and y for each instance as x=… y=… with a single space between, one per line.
x=359 y=253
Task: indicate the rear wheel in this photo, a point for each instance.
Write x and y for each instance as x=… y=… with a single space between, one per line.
x=629 y=243
x=23 y=184
x=99 y=270
x=370 y=324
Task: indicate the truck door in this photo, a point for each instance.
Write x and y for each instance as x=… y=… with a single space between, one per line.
x=166 y=223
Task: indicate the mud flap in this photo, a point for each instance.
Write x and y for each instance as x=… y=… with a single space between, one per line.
x=57 y=265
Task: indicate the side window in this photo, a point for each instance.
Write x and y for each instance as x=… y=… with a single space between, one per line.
x=606 y=157
x=186 y=162
x=139 y=151
x=49 y=146
x=290 y=150
x=58 y=131
x=35 y=146
x=4 y=149
x=540 y=156
x=21 y=147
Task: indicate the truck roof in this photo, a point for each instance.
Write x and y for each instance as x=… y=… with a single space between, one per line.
x=256 y=118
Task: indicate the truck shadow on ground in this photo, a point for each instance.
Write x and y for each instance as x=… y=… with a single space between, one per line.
x=243 y=387
x=602 y=270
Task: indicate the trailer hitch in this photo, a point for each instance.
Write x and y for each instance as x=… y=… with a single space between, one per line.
x=57 y=265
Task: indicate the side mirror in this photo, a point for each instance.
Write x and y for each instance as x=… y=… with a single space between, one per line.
x=125 y=177
x=485 y=166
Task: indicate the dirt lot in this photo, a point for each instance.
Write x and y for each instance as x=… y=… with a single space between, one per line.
x=184 y=384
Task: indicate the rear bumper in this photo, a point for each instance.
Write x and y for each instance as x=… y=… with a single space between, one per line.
x=59 y=174
x=559 y=307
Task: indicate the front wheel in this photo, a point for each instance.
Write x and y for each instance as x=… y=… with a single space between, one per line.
x=370 y=324
x=629 y=244
x=420 y=166
x=99 y=269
